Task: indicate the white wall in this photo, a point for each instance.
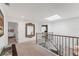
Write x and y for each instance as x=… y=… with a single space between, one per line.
x=65 y=27
x=21 y=30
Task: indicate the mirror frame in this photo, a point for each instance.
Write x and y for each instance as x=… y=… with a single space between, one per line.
x=2 y=17
x=33 y=31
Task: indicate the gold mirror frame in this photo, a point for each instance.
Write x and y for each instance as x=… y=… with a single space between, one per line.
x=30 y=30
x=1 y=24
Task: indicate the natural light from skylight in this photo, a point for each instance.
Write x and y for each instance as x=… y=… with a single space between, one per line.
x=54 y=17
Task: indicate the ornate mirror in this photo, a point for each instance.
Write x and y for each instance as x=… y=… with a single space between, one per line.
x=30 y=30
x=1 y=24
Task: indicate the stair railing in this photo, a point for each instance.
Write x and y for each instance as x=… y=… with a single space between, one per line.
x=65 y=45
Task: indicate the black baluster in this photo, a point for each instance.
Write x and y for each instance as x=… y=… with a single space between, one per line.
x=65 y=46
x=77 y=46
x=62 y=45
x=69 y=46
x=73 y=45
x=36 y=38
x=57 y=46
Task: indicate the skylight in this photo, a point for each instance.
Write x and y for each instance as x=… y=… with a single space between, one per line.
x=54 y=17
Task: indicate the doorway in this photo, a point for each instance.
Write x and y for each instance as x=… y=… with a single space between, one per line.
x=12 y=33
x=44 y=28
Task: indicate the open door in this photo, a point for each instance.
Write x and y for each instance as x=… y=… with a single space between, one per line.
x=44 y=28
x=12 y=33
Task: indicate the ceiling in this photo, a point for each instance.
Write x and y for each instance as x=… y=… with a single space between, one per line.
x=40 y=11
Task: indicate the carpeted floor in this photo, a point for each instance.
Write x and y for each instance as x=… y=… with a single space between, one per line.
x=12 y=40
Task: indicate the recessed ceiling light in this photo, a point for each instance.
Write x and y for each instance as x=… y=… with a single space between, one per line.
x=54 y=17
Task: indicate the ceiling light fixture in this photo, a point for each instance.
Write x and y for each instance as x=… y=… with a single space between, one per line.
x=54 y=17
x=22 y=16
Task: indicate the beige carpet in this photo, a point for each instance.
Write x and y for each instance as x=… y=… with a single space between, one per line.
x=31 y=49
x=12 y=40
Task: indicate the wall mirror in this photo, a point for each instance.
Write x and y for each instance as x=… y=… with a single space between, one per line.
x=1 y=24
x=30 y=30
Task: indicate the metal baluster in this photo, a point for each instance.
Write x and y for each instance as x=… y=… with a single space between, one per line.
x=55 y=41
x=57 y=46
x=73 y=45
x=69 y=46
x=36 y=38
x=62 y=46
x=77 y=46
x=52 y=37
x=65 y=46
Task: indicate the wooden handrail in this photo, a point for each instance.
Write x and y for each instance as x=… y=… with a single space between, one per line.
x=65 y=36
x=61 y=35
